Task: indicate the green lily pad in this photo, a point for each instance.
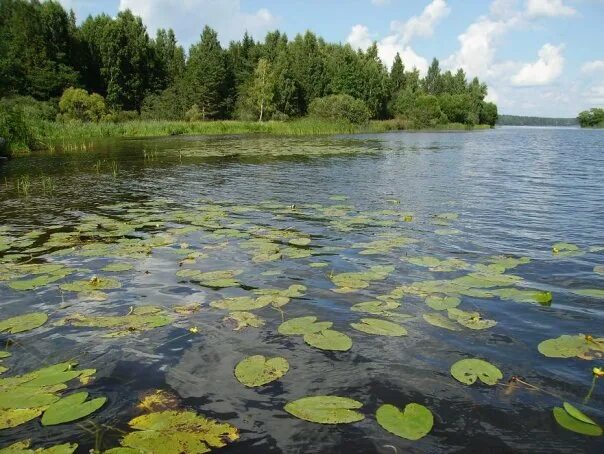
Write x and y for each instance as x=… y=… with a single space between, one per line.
x=176 y=432
x=303 y=325
x=14 y=417
x=375 y=307
x=71 y=408
x=467 y=371
x=597 y=293
x=524 y=296
x=569 y=422
x=23 y=447
x=22 y=397
x=244 y=320
x=567 y=346
x=379 y=327
x=471 y=320
x=300 y=241
x=142 y=318
x=441 y=321
x=258 y=370
x=566 y=250
x=413 y=423
x=329 y=340
x=442 y=303
x=326 y=409
x=32 y=284
x=578 y=414
x=92 y=284
x=23 y=323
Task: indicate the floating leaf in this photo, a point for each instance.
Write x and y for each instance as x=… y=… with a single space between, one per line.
x=375 y=307
x=71 y=408
x=23 y=323
x=471 y=320
x=142 y=318
x=158 y=400
x=413 y=423
x=524 y=296
x=442 y=303
x=566 y=346
x=244 y=319
x=469 y=370
x=14 y=417
x=23 y=447
x=578 y=414
x=441 y=322
x=300 y=241
x=329 y=340
x=597 y=293
x=303 y=325
x=566 y=249
x=258 y=370
x=92 y=284
x=326 y=409
x=569 y=422
x=176 y=432
x=22 y=397
x=379 y=327
x=32 y=284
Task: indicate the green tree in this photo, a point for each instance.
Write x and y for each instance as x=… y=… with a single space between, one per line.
x=591 y=118
x=432 y=83
x=205 y=75
x=488 y=114
x=170 y=58
x=259 y=96
x=397 y=74
x=427 y=113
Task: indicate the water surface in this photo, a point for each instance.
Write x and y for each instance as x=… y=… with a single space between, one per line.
x=517 y=191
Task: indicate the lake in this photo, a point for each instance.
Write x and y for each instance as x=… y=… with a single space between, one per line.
x=451 y=235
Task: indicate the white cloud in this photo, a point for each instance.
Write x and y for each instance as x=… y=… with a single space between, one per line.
x=544 y=71
x=422 y=25
x=188 y=17
x=593 y=66
x=548 y=8
x=595 y=94
x=401 y=35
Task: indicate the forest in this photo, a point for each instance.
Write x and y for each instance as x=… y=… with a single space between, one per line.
x=519 y=120
x=110 y=70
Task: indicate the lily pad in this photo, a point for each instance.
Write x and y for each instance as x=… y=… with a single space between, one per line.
x=71 y=408
x=596 y=293
x=258 y=370
x=23 y=323
x=467 y=371
x=176 y=432
x=244 y=320
x=379 y=327
x=569 y=421
x=567 y=346
x=441 y=321
x=442 y=303
x=524 y=296
x=241 y=303
x=303 y=325
x=92 y=284
x=24 y=448
x=471 y=320
x=566 y=249
x=413 y=423
x=14 y=417
x=329 y=340
x=326 y=409
x=375 y=307
x=578 y=414
x=142 y=318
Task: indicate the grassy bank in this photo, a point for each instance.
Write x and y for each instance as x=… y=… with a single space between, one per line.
x=56 y=135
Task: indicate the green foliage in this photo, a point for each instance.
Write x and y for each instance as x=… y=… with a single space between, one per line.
x=340 y=108
x=426 y=112
x=592 y=118
x=576 y=421
x=258 y=370
x=77 y=104
x=413 y=423
x=71 y=408
x=467 y=371
x=326 y=409
x=14 y=129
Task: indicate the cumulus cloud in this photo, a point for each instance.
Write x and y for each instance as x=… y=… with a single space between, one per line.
x=593 y=66
x=401 y=35
x=188 y=17
x=544 y=71
x=548 y=8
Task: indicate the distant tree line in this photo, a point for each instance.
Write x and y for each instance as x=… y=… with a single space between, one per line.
x=110 y=69
x=592 y=118
x=518 y=120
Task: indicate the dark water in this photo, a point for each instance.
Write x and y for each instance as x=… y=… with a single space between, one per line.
x=517 y=191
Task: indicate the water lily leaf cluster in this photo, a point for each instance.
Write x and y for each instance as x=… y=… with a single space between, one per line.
x=350 y=282
x=379 y=327
x=24 y=447
x=568 y=346
x=213 y=279
x=175 y=432
x=317 y=334
x=468 y=371
x=26 y=397
x=243 y=320
x=573 y=419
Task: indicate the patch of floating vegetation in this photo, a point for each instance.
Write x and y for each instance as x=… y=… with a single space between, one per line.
x=121 y=240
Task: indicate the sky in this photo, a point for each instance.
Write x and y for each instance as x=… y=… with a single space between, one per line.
x=538 y=57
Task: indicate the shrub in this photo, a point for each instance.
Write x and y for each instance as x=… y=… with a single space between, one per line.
x=194 y=114
x=170 y=104
x=32 y=109
x=15 y=130
x=591 y=118
x=77 y=104
x=340 y=107
x=488 y=114
x=127 y=115
x=427 y=113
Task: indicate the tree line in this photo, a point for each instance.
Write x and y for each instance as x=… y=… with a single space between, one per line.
x=520 y=120
x=43 y=53
x=592 y=118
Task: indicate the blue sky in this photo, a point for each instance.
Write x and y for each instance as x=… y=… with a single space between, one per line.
x=539 y=57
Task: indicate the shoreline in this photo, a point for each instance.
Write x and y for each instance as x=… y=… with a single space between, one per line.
x=51 y=136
